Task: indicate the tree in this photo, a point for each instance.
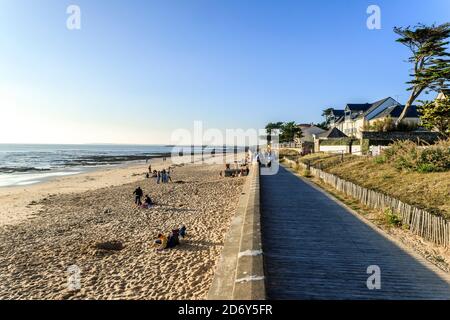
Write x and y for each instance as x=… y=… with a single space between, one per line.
x=323 y=125
x=272 y=126
x=429 y=57
x=327 y=114
x=290 y=131
x=435 y=115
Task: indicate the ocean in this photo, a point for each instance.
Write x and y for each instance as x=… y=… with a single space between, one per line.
x=25 y=164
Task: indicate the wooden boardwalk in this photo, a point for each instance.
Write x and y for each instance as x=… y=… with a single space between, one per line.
x=316 y=249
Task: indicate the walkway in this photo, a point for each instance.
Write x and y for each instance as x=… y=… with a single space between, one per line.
x=316 y=249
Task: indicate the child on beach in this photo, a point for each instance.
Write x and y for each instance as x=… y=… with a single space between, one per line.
x=138 y=193
x=158 y=177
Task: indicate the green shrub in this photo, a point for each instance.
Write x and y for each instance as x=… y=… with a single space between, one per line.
x=388 y=124
x=406 y=126
x=365 y=146
x=409 y=156
x=307 y=173
x=426 y=167
x=337 y=142
x=438 y=156
x=379 y=159
x=392 y=219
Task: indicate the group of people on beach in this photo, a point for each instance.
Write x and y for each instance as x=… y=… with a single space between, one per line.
x=162 y=176
x=173 y=238
x=139 y=193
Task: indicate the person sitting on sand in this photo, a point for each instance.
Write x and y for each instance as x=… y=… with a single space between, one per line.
x=173 y=239
x=155 y=174
x=138 y=193
x=162 y=241
x=147 y=202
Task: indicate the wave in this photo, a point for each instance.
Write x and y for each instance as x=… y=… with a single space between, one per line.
x=22 y=169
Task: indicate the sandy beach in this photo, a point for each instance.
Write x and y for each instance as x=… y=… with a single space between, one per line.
x=45 y=229
x=15 y=201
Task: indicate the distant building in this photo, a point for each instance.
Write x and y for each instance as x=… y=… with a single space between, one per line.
x=333 y=133
x=358 y=116
x=308 y=132
x=305 y=142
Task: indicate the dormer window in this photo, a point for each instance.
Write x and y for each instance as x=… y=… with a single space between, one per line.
x=347 y=114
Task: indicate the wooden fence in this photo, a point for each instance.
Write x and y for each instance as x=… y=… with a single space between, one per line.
x=431 y=227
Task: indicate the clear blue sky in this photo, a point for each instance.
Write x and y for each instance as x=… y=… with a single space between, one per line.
x=139 y=69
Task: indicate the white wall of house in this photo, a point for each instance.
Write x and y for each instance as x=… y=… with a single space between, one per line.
x=349 y=128
x=333 y=149
x=356 y=149
x=359 y=126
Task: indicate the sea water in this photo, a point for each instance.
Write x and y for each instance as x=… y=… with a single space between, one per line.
x=25 y=164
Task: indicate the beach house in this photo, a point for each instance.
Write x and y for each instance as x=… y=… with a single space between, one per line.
x=358 y=116
x=305 y=142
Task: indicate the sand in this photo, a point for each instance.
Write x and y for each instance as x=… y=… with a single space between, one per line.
x=15 y=201
x=40 y=248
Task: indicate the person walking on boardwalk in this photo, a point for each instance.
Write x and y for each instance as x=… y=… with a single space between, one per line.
x=138 y=195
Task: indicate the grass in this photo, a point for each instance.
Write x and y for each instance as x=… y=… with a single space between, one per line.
x=429 y=191
x=288 y=153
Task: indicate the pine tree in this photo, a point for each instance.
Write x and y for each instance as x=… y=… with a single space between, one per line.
x=429 y=57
